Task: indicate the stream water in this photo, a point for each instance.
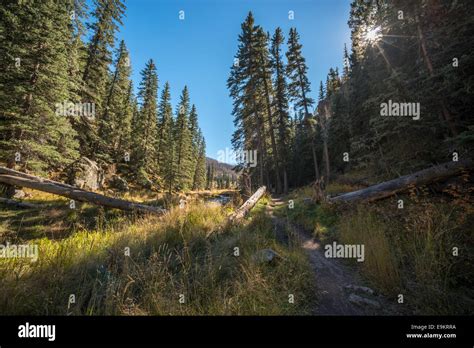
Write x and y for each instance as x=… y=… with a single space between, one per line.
x=219 y=199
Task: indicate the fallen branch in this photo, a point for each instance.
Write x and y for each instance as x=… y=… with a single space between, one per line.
x=422 y=177
x=18 y=204
x=25 y=180
x=249 y=204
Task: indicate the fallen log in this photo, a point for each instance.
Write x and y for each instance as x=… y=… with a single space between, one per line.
x=76 y=193
x=12 y=172
x=249 y=204
x=391 y=187
x=19 y=204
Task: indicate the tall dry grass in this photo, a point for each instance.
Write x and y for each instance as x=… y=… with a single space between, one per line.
x=186 y=255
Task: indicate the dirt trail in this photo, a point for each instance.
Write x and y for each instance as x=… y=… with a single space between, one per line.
x=332 y=277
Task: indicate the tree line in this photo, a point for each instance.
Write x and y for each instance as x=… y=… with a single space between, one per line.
x=63 y=98
x=401 y=51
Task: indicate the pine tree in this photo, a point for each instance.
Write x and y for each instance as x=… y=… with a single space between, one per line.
x=195 y=139
x=145 y=126
x=168 y=157
x=164 y=148
x=245 y=86
x=34 y=128
x=299 y=89
x=299 y=86
x=108 y=14
x=165 y=115
x=183 y=144
x=199 y=181
x=122 y=141
x=76 y=49
x=114 y=123
x=267 y=89
x=281 y=104
x=346 y=64
x=208 y=177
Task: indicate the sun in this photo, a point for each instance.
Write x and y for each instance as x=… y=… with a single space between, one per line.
x=373 y=34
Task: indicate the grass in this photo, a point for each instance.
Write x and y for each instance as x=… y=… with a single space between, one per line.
x=408 y=251
x=380 y=265
x=319 y=219
x=188 y=254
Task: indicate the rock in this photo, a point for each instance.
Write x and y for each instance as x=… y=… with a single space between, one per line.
x=360 y=289
x=19 y=194
x=85 y=173
x=363 y=302
x=118 y=183
x=266 y=256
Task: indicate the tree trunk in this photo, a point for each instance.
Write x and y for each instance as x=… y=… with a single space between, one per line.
x=9 y=189
x=18 y=204
x=285 y=181
x=30 y=181
x=276 y=157
x=326 y=160
x=249 y=204
x=315 y=159
x=391 y=187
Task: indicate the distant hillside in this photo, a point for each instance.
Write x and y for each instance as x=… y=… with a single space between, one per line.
x=221 y=168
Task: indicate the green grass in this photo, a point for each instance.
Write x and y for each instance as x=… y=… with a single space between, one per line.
x=319 y=219
x=187 y=252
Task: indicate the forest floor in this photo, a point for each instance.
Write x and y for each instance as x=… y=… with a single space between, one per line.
x=412 y=264
x=187 y=262
x=339 y=289
x=219 y=268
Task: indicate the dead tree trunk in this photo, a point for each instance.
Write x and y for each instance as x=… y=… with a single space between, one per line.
x=25 y=180
x=423 y=177
x=18 y=204
x=7 y=171
x=249 y=204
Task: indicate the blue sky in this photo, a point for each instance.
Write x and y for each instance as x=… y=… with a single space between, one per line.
x=199 y=50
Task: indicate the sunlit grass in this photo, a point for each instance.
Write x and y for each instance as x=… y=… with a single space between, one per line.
x=189 y=252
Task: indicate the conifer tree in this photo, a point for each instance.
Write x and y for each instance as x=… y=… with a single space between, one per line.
x=183 y=172
x=281 y=104
x=299 y=86
x=122 y=141
x=195 y=139
x=245 y=88
x=35 y=129
x=117 y=109
x=267 y=90
x=165 y=120
x=346 y=64
x=299 y=89
x=199 y=181
x=167 y=163
x=108 y=15
x=208 y=177
x=145 y=126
